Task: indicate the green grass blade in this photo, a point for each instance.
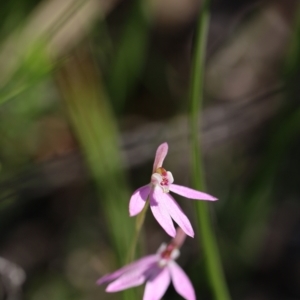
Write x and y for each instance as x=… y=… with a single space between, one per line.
x=96 y=130
x=208 y=240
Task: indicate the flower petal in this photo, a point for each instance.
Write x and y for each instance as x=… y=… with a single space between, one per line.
x=160 y=211
x=135 y=275
x=161 y=153
x=181 y=282
x=178 y=215
x=190 y=193
x=142 y=263
x=126 y=281
x=170 y=177
x=157 y=286
x=138 y=200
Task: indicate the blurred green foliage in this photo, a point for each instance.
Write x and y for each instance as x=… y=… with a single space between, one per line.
x=66 y=90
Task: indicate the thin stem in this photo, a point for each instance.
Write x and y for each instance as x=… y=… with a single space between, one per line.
x=138 y=227
x=208 y=243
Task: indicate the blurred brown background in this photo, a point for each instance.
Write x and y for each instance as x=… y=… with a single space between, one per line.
x=90 y=88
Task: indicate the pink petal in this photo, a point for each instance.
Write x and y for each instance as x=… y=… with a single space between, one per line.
x=161 y=153
x=190 y=193
x=156 y=287
x=142 y=263
x=138 y=200
x=181 y=282
x=135 y=275
x=126 y=281
x=177 y=215
x=160 y=211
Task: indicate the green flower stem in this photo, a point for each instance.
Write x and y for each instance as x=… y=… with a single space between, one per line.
x=138 y=227
x=208 y=243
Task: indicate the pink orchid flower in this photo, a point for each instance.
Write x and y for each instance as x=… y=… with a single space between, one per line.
x=157 y=271
x=162 y=204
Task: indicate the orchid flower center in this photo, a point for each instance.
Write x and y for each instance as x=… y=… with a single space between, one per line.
x=167 y=253
x=162 y=178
